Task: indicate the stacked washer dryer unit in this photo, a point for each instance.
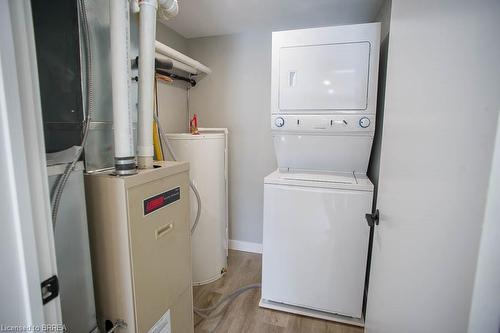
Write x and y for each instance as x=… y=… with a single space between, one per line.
x=323 y=104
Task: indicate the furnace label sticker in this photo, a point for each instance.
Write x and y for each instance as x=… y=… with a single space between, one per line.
x=161 y=200
x=162 y=325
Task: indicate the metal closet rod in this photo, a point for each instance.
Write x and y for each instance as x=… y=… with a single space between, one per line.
x=176 y=77
x=166 y=64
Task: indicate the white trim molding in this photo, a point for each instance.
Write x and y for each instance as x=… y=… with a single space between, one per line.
x=27 y=246
x=245 y=246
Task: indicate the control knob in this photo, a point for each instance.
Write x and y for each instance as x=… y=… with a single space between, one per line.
x=279 y=122
x=364 y=122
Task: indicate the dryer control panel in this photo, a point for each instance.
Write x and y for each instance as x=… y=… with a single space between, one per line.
x=324 y=123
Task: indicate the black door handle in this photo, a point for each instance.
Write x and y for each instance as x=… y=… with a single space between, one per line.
x=372 y=219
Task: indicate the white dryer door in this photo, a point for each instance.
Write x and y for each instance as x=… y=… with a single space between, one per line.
x=324 y=77
x=315 y=247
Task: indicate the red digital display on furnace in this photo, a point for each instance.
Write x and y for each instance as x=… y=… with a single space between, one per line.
x=158 y=201
x=153 y=204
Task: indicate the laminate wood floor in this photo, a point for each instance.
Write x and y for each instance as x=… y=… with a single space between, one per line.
x=244 y=315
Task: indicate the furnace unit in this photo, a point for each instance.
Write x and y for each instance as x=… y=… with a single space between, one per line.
x=140 y=246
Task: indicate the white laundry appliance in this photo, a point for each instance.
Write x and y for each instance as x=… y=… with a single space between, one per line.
x=323 y=106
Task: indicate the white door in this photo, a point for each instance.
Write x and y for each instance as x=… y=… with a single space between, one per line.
x=27 y=252
x=441 y=106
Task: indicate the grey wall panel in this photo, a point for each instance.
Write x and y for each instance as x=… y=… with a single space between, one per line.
x=73 y=253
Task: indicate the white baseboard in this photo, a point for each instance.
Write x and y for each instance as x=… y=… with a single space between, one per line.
x=245 y=246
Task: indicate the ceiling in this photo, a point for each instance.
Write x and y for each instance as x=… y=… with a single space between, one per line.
x=201 y=18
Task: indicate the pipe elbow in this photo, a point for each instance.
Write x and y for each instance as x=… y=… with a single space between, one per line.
x=152 y=3
x=168 y=9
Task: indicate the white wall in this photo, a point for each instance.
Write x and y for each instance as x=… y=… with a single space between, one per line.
x=441 y=108
x=172 y=97
x=237 y=96
x=485 y=309
x=168 y=36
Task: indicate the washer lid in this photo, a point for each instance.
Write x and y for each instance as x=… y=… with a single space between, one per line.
x=335 y=180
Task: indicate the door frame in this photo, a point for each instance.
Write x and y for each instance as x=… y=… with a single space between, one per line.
x=23 y=159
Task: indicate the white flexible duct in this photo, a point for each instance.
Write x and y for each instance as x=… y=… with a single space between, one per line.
x=120 y=69
x=176 y=55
